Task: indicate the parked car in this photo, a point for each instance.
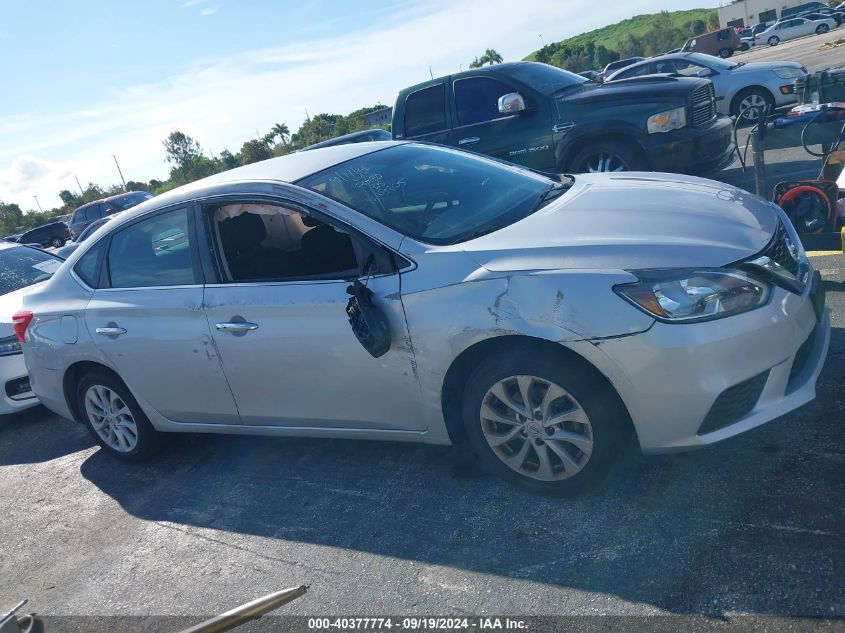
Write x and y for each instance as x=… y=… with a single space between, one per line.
x=792 y=28
x=362 y=136
x=723 y=43
x=12 y=238
x=836 y=16
x=559 y=122
x=89 y=230
x=87 y=213
x=54 y=234
x=592 y=75
x=791 y=12
x=414 y=292
x=612 y=67
x=741 y=88
x=21 y=270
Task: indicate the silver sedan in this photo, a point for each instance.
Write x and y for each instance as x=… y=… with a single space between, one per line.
x=742 y=88
x=410 y=292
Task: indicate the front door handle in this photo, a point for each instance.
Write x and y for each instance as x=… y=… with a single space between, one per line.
x=236 y=326
x=469 y=140
x=110 y=331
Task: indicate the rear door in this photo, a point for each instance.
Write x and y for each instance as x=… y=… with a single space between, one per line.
x=146 y=317
x=523 y=138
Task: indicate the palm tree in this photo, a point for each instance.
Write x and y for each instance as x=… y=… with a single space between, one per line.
x=281 y=130
x=491 y=56
x=476 y=63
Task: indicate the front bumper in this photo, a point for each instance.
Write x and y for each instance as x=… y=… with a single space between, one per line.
x=12 y=374
x=672 y=376
x=692 y=150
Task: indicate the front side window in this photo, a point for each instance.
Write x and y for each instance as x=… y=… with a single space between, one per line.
x=477 y=99
x=425 y=111
x=639 y=71
x=153 y=252
x=434 y=194
x=269 y=242
x=22 y=266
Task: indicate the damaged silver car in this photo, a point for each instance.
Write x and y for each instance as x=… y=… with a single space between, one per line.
x=404 y=291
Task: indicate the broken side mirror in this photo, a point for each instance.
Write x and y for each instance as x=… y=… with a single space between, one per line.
x=511 y=103
x=368 y=322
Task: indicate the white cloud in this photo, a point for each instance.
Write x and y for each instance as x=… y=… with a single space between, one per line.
x=190 y=3
x=221 y=102
x=209 y=10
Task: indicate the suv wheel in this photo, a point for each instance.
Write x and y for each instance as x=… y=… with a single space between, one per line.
x=114 y=418
x=774 y=40
x=821 y=29
x=725 y=53
x=541 y=423
x=57 y=242
x=608 y=156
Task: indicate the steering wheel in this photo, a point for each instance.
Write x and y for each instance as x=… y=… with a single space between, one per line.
x=440 y=196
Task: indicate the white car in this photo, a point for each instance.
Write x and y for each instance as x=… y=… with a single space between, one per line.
x=793 y=28
x=22 y=269
x=742 y=88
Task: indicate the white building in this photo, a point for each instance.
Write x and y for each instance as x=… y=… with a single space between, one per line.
x=752 y=12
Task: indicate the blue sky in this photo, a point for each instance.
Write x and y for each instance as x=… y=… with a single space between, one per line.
x=87 y=79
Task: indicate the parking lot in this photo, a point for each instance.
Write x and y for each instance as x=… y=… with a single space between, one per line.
x=752 y=526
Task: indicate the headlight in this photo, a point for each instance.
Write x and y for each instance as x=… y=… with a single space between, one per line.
x=694 y=295
x=788 y=73
x=667 y=121
x=9 y=346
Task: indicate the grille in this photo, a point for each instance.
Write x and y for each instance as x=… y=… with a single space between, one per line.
x=780 y=253
x=703 y=105
x=734 y=403
x=801 y=358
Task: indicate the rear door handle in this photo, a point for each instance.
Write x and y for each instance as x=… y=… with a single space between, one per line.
x=469 y=140
x=236 y=326
x=110 y=331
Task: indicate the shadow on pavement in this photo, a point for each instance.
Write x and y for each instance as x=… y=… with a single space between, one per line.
x=753 y=525
x=38 y=435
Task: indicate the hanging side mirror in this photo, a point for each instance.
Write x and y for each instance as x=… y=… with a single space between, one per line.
x=368 y=322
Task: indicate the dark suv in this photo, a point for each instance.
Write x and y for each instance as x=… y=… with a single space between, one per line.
x=555 y=121
x=87 y=213
x=54 y=234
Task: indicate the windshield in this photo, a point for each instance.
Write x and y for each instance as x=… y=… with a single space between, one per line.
x=433 y=194
x=23 y=266
x=709 y=60
x=91 y=228
x=546 y=79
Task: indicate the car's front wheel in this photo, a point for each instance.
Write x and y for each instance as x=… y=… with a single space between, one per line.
x=542 y=422
x=607 y=156
x=774 y=40
x=821 y=29
x=749 y=104
x=114 y=418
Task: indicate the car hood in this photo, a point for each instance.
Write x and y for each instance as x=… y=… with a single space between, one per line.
x=633 y=90
x=630 y=221
x=758 y=66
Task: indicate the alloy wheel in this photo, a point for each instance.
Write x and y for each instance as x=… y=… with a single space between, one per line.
x=774 y=41
x=536 y=428
x=603 y=162
x=822 y=28
x=57 y=243
x=751 y=106
x=111 y=418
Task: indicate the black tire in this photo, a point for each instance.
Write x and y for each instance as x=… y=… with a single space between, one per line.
x=624 y=152
x=148 y=439
x=753 y=94
x=821 y=29
x=57 y=242
x=745 y=46
x=774 y=40
x=608 y=420
x=726 y=52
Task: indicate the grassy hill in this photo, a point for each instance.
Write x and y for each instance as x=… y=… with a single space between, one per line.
x=611 y=36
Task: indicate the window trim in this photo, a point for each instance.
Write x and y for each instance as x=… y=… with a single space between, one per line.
x=212 y=259
x=446 y=127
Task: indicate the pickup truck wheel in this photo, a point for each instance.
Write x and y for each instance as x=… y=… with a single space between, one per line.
x=821 y=29
x=750 y=102
x=774 y=40
x=726 y=52
x=608 y=156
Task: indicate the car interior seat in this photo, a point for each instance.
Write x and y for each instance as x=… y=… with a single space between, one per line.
x=241 y=238
x=325 y=249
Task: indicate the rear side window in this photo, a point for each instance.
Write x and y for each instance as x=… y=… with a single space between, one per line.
x=152 y=252
x=88 y=266
x=477 y=99
x=425 y=111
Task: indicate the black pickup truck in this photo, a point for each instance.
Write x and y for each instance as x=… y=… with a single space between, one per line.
x=556 y=121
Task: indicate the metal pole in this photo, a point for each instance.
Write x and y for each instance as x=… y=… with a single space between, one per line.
x=248 y=611
x=759 y=163
x=38 y=203
x=120 y=172
x=81 y=191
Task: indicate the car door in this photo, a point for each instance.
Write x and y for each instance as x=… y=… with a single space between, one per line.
x=522 y=137
x=278 y=317
x=146 y=317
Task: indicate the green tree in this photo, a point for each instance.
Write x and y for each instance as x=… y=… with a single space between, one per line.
x=476 y=63
x=228 y=160
x=181 y=151
x=491 y=57
x=11 y=217
x=281 y=130
x=713 y=22
x=253 y=151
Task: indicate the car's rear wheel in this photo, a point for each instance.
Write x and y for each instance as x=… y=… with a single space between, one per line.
x=114 y=417
x=744 y=46
x=608 y=156
x=821 y=29
x=774 y=40
x=57 y=242
x=749 y=103
x=726 y=52
x=541 y=422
